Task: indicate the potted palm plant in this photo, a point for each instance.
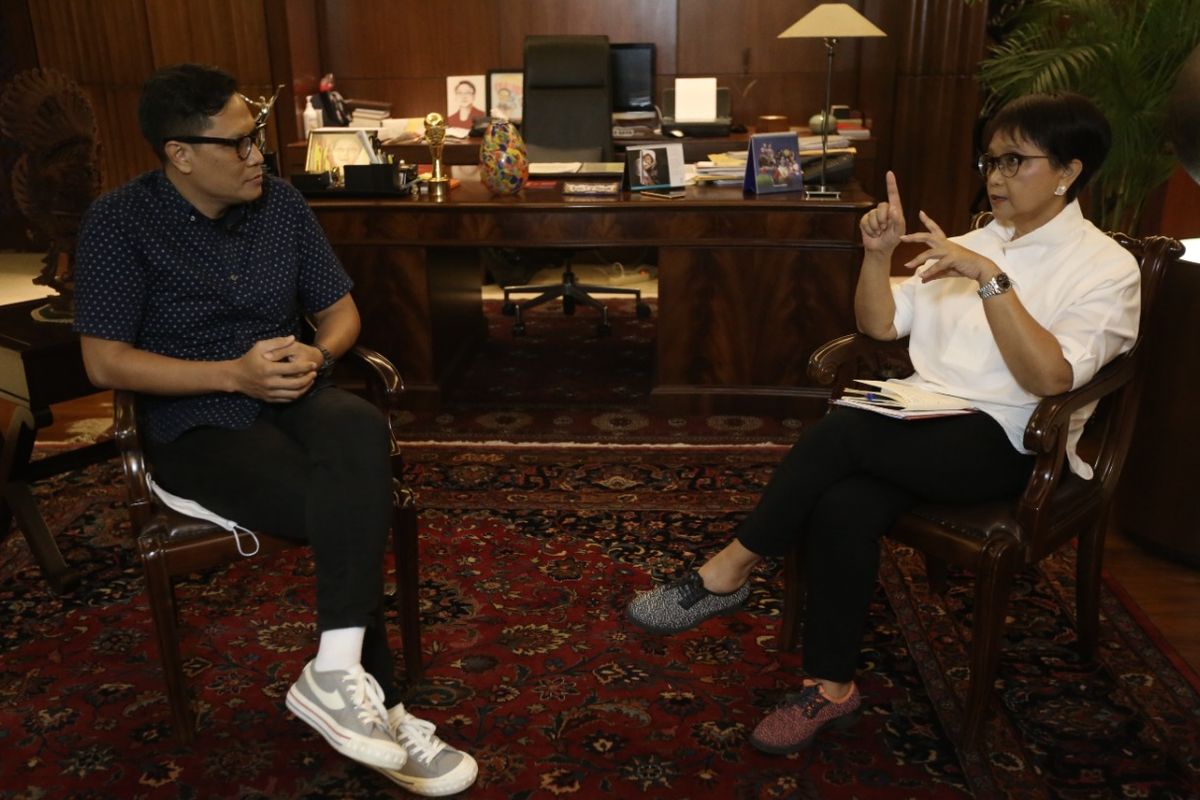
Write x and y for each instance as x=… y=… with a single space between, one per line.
x=1122 y=54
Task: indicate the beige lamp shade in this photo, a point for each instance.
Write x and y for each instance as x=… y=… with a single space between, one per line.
x=831 y=21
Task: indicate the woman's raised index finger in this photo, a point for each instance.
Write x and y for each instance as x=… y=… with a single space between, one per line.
x=894 y=193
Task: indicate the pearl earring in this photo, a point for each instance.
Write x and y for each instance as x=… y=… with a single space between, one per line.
x=1060 y=191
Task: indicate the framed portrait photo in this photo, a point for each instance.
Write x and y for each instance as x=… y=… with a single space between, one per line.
x=505 y=94
x=466 y=96
x=331 y=149
x=658 y=166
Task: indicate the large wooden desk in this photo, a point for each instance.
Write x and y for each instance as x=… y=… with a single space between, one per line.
x=748 y=286
x=695 y=148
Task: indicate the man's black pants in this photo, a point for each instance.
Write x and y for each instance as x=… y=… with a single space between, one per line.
x=316 y=470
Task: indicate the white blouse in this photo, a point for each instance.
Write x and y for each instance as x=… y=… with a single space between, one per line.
x=1073 y=279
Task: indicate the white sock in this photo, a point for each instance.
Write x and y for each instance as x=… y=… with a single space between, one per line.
x=339 y=649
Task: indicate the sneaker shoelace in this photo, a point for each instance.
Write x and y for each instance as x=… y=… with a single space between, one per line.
x=367 y=697
x=418 y=735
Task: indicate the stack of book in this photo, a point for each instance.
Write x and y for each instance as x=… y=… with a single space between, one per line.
x=851 y=124
x=368 y=117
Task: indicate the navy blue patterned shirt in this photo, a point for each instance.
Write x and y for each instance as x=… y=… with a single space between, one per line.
x=153 y=271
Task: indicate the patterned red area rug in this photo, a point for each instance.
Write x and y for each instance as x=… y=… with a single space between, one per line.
x=528 y=556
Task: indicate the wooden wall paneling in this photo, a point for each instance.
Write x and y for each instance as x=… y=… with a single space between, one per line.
x=620 y=20
x=98 y=44
x=362 y=39
x=106 y=48
x=929 y=139
x=295 y=61
x=230 y=34
x=402 y=53
x=738 y=42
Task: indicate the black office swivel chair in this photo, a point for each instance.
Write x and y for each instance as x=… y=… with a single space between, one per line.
x=567 y=117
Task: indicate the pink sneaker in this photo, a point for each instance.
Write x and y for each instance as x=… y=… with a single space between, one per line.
x=792 y=726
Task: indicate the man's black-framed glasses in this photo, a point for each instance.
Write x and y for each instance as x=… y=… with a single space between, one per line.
x=243 y=144
x=1007 y=163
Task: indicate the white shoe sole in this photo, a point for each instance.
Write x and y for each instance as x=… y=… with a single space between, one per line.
x=348 y=744
x=455 y=781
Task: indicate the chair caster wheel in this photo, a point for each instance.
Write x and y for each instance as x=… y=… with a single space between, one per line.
x=643 y=311
x=569 y=306
x=603 y=330
x=519 y=329
x=509 y=309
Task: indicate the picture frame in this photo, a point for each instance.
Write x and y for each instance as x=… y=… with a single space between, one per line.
x=657 y=166
x=331 y=149
x=465 y=97
x=506 y=94
x=773 y=164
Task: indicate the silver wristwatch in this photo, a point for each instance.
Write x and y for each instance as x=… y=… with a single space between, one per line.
x=999 y=284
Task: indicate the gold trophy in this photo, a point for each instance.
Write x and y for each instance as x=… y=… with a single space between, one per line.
x=435 y=136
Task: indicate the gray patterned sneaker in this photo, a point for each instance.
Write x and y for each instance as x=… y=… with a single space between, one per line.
x=684 y=604
x=346 y=707
x=434 y=768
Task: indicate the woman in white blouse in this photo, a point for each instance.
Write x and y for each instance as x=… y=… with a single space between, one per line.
x=1031 y=305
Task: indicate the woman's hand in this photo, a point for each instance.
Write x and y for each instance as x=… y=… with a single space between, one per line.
x=949 y=260
x=883 y=226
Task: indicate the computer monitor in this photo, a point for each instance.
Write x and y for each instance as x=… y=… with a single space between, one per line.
x=633 y=76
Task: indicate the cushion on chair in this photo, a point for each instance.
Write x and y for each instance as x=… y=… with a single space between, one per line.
x=974 y=521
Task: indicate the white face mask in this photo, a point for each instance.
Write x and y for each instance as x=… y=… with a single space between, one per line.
x=193 y=509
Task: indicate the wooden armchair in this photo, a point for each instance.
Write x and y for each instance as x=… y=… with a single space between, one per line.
x=172 y=544
x=995 y=539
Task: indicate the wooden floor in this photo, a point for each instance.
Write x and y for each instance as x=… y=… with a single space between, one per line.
x=1167 y=592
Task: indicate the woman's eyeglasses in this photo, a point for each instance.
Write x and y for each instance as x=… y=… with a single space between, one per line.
x=1007 y=163
x=243 y=144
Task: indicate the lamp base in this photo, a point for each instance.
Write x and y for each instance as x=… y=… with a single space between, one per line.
x=822 y=192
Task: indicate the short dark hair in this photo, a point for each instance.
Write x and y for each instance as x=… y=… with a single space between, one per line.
x=179 y=101
x=1065 y=126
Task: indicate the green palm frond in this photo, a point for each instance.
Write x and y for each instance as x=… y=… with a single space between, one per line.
x=1123 y=54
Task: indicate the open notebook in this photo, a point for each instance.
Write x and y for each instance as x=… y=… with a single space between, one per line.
x=894 y=398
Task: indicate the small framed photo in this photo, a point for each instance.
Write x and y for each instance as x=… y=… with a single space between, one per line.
x=505 y=94
x=658 y=166
x=332 y=149
x=465 y=98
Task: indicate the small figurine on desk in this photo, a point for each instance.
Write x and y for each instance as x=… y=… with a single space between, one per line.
x=435 y=136
x=333 y=107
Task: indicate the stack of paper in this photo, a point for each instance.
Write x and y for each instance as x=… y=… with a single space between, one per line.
x=721 y=169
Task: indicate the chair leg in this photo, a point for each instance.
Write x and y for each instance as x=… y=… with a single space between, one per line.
x=1088 y=560
x=404 y=542
x=793 y=600
x=992 y=584
x=161 y=593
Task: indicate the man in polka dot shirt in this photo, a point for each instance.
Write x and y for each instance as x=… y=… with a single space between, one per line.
x=190 y=285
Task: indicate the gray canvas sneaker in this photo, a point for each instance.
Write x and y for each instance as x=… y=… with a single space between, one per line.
x=346 y=707
x=683 y=604
x=434 y=768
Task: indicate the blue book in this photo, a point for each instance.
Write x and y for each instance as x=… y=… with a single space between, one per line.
x=773 y=164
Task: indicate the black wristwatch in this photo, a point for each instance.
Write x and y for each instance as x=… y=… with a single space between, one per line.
x=999 y=284
x=326 y=368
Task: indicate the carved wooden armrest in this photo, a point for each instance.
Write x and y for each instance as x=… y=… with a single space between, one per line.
x=840 y=361
x=133 y=460
x=1047 y=426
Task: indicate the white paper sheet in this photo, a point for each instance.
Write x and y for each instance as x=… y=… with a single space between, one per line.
x=695 y=99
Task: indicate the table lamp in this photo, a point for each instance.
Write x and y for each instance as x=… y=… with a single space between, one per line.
x=829 y=21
